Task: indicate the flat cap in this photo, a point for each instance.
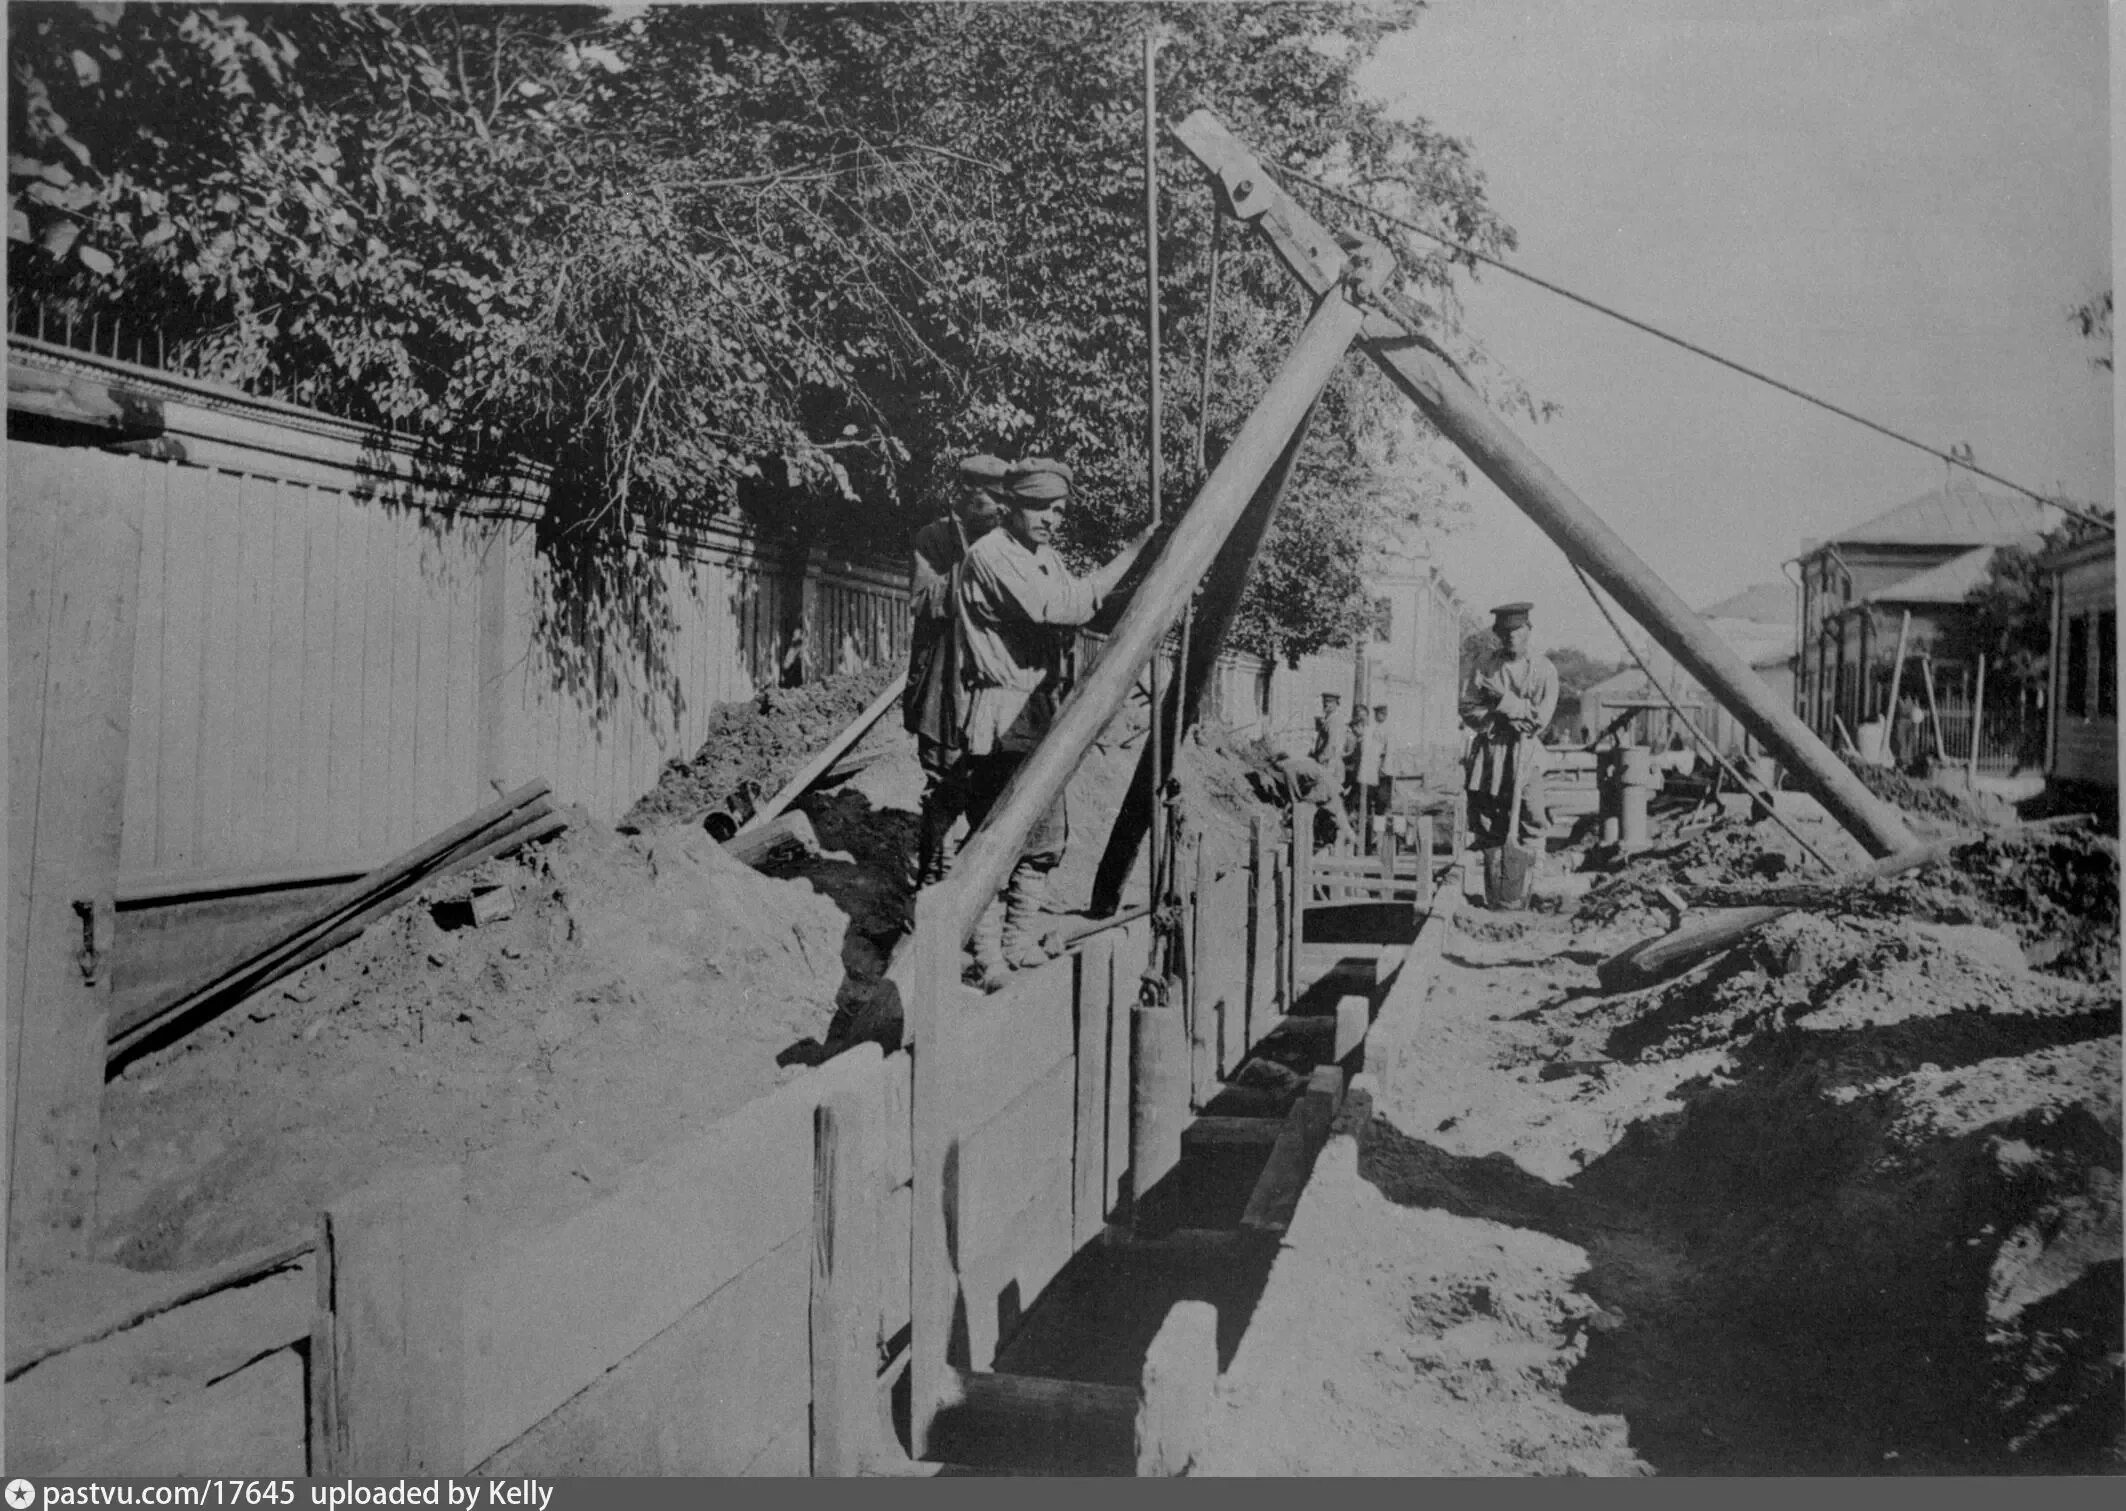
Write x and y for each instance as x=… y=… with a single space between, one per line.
x=1507 y=615
x=983 y=468
x=1038 y=482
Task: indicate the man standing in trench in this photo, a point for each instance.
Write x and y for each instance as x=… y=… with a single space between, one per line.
x=1018 y=607
x=1508 y=702
x=933 y=706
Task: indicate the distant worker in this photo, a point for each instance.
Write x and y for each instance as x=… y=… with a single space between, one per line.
x=1372 y=768
x=1321 y=771
x=933 y=703
x=1018 y=608
x=1508 y=702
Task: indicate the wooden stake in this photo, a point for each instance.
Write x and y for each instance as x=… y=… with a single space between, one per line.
x=1179 y=1380
x=388 y=1349
x=847 y=1197
x=1978 y=724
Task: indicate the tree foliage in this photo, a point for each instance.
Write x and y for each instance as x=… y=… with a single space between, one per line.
x=789 y=260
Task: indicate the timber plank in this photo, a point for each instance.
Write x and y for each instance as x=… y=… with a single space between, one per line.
x=1015 y=1039
x=1022 y=1254
x=724 y=1390
x=80 y=623
x=548 y=1312
x=1019 y=1150
x=392 y=1391
x=1095 y=989
x=847 y=1198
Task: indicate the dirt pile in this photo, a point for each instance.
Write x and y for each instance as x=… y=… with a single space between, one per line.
x=1729 y=852
x=1852 y=1188
x=639 y=989
x=1930 y=801
x=762 y=740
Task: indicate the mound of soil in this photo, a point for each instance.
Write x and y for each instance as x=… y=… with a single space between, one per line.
x=1729 y=852
x=639 y=990
x=761 y=741
x=1927 y=800
x=1851 y=1189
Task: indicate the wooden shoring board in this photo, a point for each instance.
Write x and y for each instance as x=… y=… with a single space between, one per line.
x=1093 y=1007
x=1284 y=1175
x=548 y=1312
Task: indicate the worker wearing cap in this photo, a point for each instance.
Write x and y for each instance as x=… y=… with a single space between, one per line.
x=933 y=704
x=1018 y=609
x=1507 y=704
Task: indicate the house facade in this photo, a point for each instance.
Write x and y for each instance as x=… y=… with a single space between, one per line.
x=1908 y=573
x=2082 y=726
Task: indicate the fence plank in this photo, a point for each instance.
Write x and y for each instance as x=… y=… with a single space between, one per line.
x=313 y=835
x=138 y=849
x=284 y=752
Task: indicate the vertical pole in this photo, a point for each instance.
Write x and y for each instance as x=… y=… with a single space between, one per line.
x=387 y=1344
x=1157 y=733
x=847 y=1192
x=1897 y=676
x=1978 y=723
x=933 y=1275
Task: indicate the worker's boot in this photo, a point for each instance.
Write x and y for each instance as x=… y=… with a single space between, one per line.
x=991 y=970
x=1025 y=904
x=931 y=831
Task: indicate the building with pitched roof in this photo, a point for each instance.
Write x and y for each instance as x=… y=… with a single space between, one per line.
x=1907 y=574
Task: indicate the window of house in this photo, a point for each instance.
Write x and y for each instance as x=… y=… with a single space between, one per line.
x=2076 y=675
x=2107 y=665
x=1384 y=620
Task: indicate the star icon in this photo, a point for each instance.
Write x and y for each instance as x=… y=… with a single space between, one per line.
x=21 y=1494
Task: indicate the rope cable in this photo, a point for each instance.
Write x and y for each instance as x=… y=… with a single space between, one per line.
x=1475 y=255
x=1696 y=733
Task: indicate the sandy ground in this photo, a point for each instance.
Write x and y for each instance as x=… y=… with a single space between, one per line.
x=1844 y=1200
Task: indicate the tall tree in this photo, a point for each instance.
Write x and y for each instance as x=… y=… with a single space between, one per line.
x=785 y=259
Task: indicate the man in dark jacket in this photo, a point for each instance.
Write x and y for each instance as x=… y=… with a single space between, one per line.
x=933 y=707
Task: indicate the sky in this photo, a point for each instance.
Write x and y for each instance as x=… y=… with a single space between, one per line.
x=1890 y=203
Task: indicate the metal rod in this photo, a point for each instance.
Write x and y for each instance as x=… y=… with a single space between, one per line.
x=1157 y=733
x=1210 y=346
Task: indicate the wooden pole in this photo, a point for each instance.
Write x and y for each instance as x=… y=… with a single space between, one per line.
x=1219 y=607
x=1177 y=1391
x=1897 y=677
x=1189 y=551
x=1978 y=724
x=1461 y=415
x=847 y=1195
x=1155 y=743
x=1926 y=679
x=932 y=1009
x=387 y=1364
